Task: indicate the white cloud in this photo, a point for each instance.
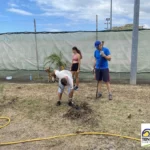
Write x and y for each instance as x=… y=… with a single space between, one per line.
x=19 y=11
x=120 y=22
x=146 y=26
x=53 y=30
x=12 y=4
x=76 y=10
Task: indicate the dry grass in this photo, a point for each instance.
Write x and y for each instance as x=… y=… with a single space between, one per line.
x=33 y=114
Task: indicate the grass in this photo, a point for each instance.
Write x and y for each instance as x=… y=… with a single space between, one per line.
x=33 y=114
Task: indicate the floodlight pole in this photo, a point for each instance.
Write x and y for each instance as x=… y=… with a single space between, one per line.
x=110 y=14
x=107 y=22
x=135 y=33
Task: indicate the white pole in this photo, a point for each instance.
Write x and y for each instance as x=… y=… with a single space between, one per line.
x=134 y=53
x=110 y=14
x=37 y=58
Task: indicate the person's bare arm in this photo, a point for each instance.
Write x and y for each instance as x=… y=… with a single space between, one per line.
x=70 y=81
x=79 y=61
x=108 y=57
x=105 y=56
x=94 y=66
x=94 y=63
x=71 y=94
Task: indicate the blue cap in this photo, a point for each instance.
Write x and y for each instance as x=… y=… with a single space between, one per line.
x=97 y=43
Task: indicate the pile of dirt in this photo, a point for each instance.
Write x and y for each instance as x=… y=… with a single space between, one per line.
x=81 y=113
x=84 y=114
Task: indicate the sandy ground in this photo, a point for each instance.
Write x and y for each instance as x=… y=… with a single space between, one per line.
x=34 y=114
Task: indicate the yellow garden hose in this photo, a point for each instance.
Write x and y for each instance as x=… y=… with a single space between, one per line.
x=8 y=121
x=62 y=136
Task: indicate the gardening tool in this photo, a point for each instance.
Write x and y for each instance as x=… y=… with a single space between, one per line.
x=97 y=89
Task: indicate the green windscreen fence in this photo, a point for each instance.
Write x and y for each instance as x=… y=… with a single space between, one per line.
x=22 y=53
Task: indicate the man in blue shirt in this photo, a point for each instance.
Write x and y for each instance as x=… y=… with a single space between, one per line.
x=102 y=56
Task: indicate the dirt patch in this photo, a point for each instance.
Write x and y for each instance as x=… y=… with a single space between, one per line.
x=19 y=87
x=80 y=113
x=83 y=113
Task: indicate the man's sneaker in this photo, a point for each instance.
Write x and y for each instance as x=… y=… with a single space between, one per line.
x=99 y=95
x=76 y=88
x=70 y=103
x=110 y=96
x=58 y=103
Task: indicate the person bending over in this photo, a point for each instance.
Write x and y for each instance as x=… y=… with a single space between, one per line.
x=65 y=80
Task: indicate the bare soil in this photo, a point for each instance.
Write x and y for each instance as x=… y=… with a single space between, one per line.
x=34 y=114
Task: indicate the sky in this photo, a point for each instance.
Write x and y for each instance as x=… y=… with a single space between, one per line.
x=67 y=15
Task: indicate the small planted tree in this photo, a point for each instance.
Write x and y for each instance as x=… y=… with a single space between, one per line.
x=57 y=60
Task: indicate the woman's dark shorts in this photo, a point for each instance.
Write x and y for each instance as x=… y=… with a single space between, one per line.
x=74 y=67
